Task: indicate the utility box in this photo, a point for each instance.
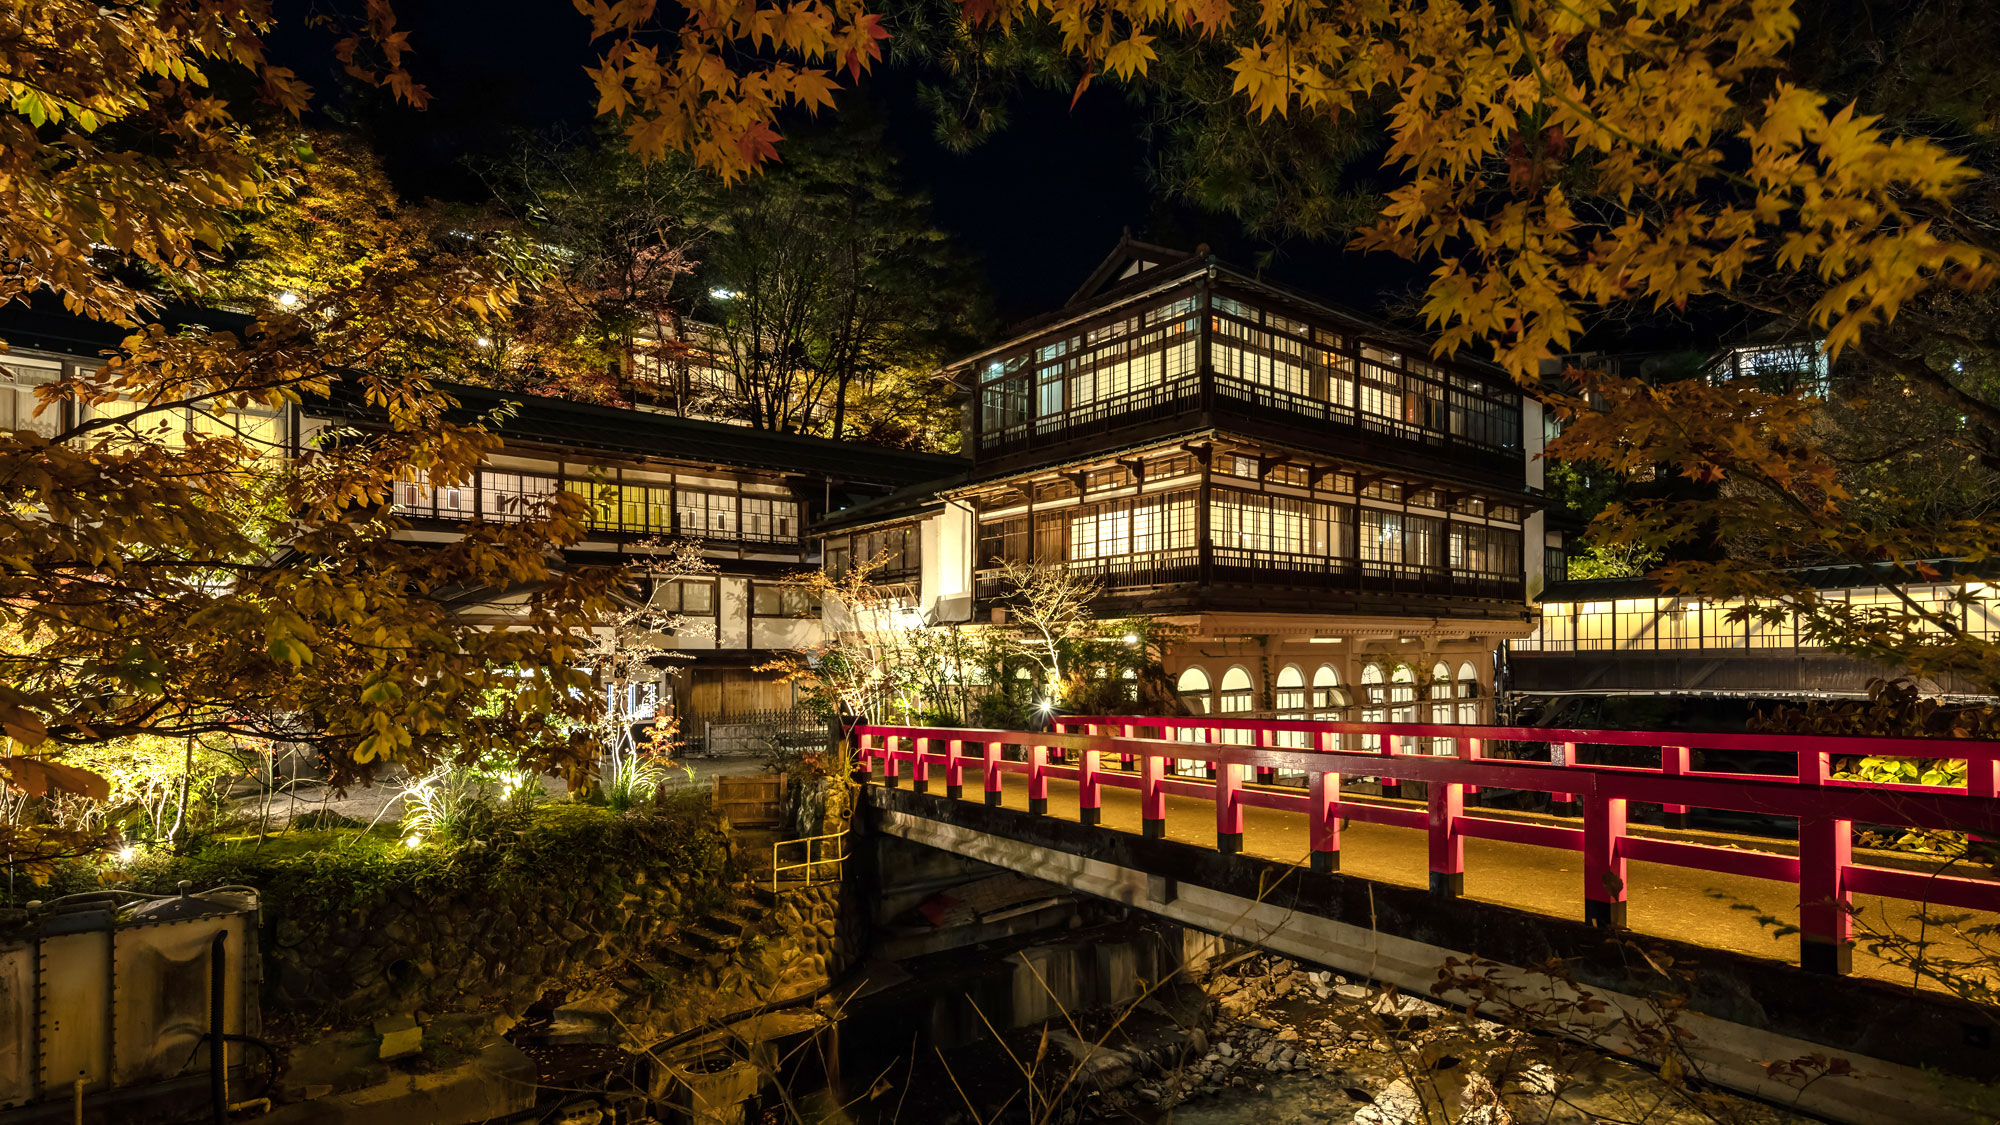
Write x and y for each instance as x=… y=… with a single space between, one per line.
x=118 y=992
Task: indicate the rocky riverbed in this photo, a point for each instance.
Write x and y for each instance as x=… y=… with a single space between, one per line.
x=1267 y=1040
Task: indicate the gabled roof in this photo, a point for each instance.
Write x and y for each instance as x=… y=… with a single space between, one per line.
x=1131 y=259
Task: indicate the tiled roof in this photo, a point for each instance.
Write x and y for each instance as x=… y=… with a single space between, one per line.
x=609 y=429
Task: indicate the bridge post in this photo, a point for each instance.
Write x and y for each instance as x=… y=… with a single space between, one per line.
x=990 y=757
x=1446 y=800
x=954 y=768
x=1826 y=922
x=1826 y=847
x=863 y=760
x=1323 y=816
x=1153 y=796
x=1392 y=745
x=920 y=770
x=892 y=773
x=1089 y=793
x=1038 y=779
x=1562 y=754
x=1674 y=761
x=1603 y=863
x=1130 y=732
x=1228 y=807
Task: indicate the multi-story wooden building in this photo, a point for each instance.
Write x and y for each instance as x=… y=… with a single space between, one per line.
x=747 y=496
x=1332 y=515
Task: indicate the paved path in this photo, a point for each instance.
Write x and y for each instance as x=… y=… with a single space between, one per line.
x=1705 y=908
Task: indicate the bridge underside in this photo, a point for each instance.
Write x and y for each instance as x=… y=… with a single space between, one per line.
x=1743 y=1011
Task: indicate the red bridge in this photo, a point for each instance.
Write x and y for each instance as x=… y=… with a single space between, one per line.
x=1290 y=774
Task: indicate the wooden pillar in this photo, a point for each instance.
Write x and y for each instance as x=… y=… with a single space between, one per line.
x=1674 y=762
x=1038 y=779
x=1089 y=793
x=892 y=770
x=1392 y=745
x=1153 y=796
x=920 y=770
x=991 y=759
x=1228 y=807
x=1826 y=847
x=1446 y=801
x=1562 y=754
x=1603 y=864
x=954 y=768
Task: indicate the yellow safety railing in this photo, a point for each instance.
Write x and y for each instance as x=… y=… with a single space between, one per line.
x=812 y=863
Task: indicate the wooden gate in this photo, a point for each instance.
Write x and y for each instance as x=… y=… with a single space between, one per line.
x=751 y=802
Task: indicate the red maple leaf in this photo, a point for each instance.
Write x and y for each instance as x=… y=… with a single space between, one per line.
x=758 y=143
x=870 y=26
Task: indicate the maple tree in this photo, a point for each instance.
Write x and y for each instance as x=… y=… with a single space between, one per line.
x=181 y=558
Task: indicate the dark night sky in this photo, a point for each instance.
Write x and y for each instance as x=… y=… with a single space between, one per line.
x=1036 y=207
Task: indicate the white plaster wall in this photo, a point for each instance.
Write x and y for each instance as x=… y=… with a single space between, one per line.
x=733 y=599
x=784 y=632
x=948 y=541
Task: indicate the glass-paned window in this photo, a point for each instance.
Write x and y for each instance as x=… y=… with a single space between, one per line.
x=705 y=515
x=776 y=599
x=770 y=519
x=510 y=497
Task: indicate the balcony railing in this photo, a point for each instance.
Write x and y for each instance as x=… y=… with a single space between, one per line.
x=1165 y=400
x=1234 y=396
x=1282 y=406
x=1240 y=566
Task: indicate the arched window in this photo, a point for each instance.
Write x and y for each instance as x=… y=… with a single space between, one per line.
x=1440 y=708
x=1193 y=687
x=1328 y=700
x=1237 y=695
x=1290 y=697
x=1374 y=703
x=1470 y=709
x=1402 y=694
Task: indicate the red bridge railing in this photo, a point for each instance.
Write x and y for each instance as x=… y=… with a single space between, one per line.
x=1108 y=752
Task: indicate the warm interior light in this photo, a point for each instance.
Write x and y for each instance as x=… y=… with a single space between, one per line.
x=287 y=299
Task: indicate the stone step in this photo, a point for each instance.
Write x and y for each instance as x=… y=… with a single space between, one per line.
x=701 y=937
x=679 y=954
x=726 y=922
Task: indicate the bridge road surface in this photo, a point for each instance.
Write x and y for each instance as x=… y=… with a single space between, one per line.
x=1699 y=907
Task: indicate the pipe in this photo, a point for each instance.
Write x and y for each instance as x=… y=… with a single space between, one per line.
x=218 y=1047
x=76 y=1102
